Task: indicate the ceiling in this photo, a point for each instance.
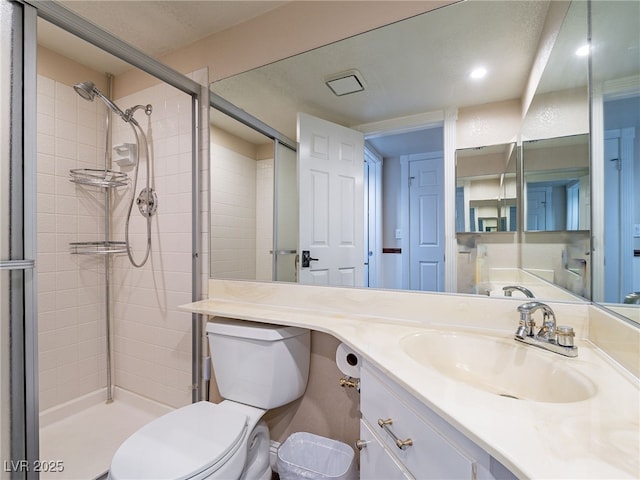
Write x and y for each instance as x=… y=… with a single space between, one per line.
x=154 y=27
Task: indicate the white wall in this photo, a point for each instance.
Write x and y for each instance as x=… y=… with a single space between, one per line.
x=152 y=338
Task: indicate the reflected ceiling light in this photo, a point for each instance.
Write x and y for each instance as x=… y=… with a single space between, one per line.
x=583 y=51
x=345 y=83
x=478 y=73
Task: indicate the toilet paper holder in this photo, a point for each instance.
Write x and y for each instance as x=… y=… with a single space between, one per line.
x=350 y=382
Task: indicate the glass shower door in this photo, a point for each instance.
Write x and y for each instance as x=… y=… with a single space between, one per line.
x=286 y=215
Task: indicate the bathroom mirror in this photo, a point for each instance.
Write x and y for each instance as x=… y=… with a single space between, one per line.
x=557 y=184
x=275 y=93
x=486 y=191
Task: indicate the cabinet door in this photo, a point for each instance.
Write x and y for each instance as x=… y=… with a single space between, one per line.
x=375 y=461
x=431 y=455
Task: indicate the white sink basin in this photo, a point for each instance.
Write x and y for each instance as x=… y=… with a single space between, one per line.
x=500 y=366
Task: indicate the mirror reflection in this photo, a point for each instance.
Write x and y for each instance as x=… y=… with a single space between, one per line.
x=486 y=198
x=543 y=95
x=615 y=68
x=557 y=184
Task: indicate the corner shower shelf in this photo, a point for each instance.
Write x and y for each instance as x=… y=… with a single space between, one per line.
x=98 y=178
x=98 y=248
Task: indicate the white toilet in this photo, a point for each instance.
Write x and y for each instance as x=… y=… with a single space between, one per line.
x=257 y=367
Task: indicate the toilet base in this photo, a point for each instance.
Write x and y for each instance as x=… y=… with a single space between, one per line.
x=257 y=464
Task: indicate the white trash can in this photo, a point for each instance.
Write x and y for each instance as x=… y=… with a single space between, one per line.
x=308 y=456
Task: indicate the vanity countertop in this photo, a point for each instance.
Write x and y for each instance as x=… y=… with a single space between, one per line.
x=594 y=438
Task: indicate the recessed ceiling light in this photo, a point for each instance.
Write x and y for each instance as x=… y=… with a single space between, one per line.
x=345 y=83
x=478 y=73
x=583 y=51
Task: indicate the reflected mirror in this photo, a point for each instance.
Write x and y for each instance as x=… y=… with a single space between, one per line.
x=555 y=157
x=615 y=72
x=486 y=192
x=556 y=184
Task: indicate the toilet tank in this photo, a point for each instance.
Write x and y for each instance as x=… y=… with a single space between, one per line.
x=259 y=364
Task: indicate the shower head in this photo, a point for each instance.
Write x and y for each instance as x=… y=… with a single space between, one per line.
x=88 y=91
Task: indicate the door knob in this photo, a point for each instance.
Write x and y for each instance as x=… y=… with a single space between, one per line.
x=306 y=259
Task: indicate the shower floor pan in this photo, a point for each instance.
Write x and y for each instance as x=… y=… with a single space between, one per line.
x=84 y=438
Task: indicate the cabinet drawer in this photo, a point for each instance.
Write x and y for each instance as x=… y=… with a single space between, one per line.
x=430 y=455
x=375 y=461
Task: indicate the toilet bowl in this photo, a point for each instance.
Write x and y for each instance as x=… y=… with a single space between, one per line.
x=257 y=367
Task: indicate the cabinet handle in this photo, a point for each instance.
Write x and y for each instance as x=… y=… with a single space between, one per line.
x=401 y=444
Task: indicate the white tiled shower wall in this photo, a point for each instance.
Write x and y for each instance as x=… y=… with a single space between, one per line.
x=242 y=222
x=233 y=222
x=71 y=134
x=151 y=338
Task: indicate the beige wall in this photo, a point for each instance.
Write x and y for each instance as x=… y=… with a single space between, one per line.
x=268 y=38
x=489 y=124
x=66 y=71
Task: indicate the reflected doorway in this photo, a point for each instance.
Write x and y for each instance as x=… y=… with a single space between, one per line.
x=622 y=213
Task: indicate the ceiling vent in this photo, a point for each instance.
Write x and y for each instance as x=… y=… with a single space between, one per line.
x=345 y=83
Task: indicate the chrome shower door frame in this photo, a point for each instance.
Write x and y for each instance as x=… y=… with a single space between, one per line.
x=18 y=243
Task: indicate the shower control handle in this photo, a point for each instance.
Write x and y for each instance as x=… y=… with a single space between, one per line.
x=147 y=202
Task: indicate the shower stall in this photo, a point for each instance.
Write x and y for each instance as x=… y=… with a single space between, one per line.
x=114 y=260
x=54 y=300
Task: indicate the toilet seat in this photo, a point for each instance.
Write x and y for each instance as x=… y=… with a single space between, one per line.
x=181 y=445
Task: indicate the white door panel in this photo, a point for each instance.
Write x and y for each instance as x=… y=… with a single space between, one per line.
x=426 y=224
x=331 y=170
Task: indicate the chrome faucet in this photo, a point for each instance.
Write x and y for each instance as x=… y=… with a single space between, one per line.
x=557 y=339
x=509 y=289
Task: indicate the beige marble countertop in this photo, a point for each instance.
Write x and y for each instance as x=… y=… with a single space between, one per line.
x=595 y=438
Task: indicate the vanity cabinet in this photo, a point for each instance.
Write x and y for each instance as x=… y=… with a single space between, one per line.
x=403 y=439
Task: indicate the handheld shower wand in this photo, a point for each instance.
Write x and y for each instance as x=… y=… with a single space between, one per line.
x=89 y=92
x=147 y=200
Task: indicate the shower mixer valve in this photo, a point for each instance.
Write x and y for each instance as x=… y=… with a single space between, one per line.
x=147 y=202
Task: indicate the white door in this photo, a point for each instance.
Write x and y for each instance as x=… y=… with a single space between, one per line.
x=537 y=204
x=330 y=174
x=426 y=225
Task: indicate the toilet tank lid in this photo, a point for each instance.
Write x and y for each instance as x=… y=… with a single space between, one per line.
x=255 y=330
